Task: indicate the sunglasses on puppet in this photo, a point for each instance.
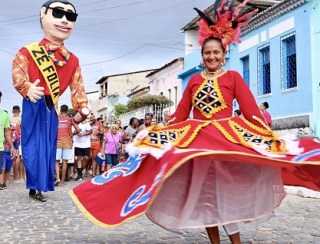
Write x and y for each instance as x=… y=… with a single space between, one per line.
x=59 y=13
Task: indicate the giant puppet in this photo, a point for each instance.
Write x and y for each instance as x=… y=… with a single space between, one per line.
x=41 y=72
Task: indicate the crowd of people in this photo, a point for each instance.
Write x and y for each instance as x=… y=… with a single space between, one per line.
x=10 y=150
x=263 y=108
x=78 y=146
x=93 y=146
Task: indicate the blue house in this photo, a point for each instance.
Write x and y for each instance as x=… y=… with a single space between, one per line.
x=278 y=60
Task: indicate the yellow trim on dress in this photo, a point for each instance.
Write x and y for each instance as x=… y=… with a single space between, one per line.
x=262 y=130
x=182 y=138
x=250 y=144
x=224 y=132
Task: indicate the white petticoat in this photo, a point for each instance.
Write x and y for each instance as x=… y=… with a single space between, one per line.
x=204 y=193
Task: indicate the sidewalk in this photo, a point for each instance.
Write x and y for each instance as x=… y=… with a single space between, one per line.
x=24 y=220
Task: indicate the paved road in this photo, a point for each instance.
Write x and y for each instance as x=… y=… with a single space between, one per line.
x=23 y=220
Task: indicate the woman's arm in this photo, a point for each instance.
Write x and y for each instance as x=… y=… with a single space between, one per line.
x=246 y=100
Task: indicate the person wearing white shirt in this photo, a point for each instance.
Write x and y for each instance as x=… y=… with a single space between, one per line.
x=82 y=144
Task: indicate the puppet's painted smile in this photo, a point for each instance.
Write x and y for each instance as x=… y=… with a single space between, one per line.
x=63 y=28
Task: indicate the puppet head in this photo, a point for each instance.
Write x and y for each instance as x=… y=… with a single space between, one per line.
x=57 y=20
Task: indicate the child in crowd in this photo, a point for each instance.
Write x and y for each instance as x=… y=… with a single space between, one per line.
x=7 y=159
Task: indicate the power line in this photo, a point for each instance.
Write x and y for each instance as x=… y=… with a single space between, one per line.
x=27 y=17
x=90 y=11
x=138 y=15
x=109 y=60
x=123 y=55
x=88 y=4
x=22 y=22
x=126 y=54
x=125 y=34
x=24 y=34
x=117 y=6
x=115 y=20
x=6 y=51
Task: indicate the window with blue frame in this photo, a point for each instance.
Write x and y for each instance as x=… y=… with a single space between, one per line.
x=246 y=70
x=264 y=71
x=288 y=62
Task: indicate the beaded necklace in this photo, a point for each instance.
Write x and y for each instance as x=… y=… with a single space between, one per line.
x=57 y=62
x=213 y=72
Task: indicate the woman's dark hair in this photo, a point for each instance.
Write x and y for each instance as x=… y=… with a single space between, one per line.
x=266 y=105
x=211 y=38
x=238 y=112
x=141 y=122
x=131 y=120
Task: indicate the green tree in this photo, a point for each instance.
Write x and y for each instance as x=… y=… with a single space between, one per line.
x=120 y=109
x=149 y=100
x=71 y=111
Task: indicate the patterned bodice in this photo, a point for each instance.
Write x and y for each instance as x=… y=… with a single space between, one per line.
x=208 y=98
x=213 y=98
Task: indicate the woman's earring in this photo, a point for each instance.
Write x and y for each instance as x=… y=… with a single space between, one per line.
x=202 y=65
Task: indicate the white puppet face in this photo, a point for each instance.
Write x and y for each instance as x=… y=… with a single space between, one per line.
x=57 y=21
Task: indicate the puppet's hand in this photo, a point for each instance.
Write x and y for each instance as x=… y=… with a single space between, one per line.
x=35 y=92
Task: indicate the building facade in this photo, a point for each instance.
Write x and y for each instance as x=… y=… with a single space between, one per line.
x=115 y=89
x=164 y=81
x=93 y=102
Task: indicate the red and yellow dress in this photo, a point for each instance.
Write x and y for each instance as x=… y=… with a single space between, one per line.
x=208 y=171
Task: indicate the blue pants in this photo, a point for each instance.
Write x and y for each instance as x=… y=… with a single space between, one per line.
x=1 y=161
x=39 y=130
x=111 y=159
x=7 y=161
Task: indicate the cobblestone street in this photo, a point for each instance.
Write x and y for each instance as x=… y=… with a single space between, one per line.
x=24 y=220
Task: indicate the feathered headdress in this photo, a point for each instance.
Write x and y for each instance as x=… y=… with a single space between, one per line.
x=226 y=22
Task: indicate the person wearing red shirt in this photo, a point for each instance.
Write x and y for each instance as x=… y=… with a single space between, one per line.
x=263 y=107
x=95 y=138
x=64 y=145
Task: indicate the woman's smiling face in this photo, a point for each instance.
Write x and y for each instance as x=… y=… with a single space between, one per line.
x=213 y=55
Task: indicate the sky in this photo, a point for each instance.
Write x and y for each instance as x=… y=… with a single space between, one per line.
x=110 y=37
